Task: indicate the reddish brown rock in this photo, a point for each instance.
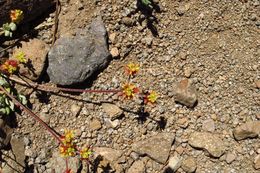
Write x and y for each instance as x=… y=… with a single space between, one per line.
x=185 y=93
x=35 y=52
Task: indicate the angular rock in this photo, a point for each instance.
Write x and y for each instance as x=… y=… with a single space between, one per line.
x=18 y=149
x=112 y=110
x=75 y=109
x=185 y=93
x=257 y=84
x=35 y=52
x=230 y=157
x=95 y=124
x=189 y=165
x=31 y=8
x=5 y=134
x=174 y=163
x=73 y=60
x=137 y=167
x=210 y=142
x=16 y=159
x=247 y=130
x=114 y=52
x=110 y=154
x=257 y=162
x=156 y=147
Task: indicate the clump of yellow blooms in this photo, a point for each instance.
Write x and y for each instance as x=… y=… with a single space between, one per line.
x=132 y=69
x=67 y=147
x=21 y=57
x=150 y=97
x=85 y=153
x=16 y=16
x=129 y=90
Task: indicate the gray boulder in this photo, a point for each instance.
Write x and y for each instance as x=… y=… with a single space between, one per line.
x=72 y=60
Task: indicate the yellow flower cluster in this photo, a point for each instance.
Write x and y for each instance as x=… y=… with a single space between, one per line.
x=129 y=90
x=151 y=97
x=85 y=153
x=67 y=148
x=16 y=16
x=132 y=69
x=21 y=57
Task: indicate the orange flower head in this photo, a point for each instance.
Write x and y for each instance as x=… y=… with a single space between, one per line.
x=132 y=69
x=150 y=97
x=85 y=153
x=129 y=90
x=9 y=67
x=16 y=16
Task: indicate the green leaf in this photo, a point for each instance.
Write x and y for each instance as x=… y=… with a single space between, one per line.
x=6 y=27
x=22 y=99
x=3 y=82
x=8 y=33
x=10 y=104
x=12 y=26
x=2 y=110
x=146 y=2
x=7 y=110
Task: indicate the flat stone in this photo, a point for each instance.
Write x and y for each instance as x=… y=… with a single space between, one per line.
x=16 y=159
x=114 y=52
x=112 y=155
x=113 y=37
x=5 y=134
x=257 y=162
x=137 y=167
x=156 y=147
x=230 y=157
x=210 y=142
x=18 y=148
x=257 y=84
x=112 y=110
x=189 y=165
x=208 y=125
x=73 y=60
x=258 y=116
x=95 y=124
x=185 y=93
x=247 y=130
x=35 y=52
x=75 y=109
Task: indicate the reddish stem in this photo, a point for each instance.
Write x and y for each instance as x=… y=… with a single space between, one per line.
x=56 y=89
x=24 y=108
x=67 y=165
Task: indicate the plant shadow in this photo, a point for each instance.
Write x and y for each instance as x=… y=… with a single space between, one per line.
x=147 y=11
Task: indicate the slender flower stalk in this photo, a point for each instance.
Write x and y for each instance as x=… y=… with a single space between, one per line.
x=57 y=89
x=24 y=108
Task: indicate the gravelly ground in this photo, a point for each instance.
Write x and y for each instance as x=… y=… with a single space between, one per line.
x=216 y=45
